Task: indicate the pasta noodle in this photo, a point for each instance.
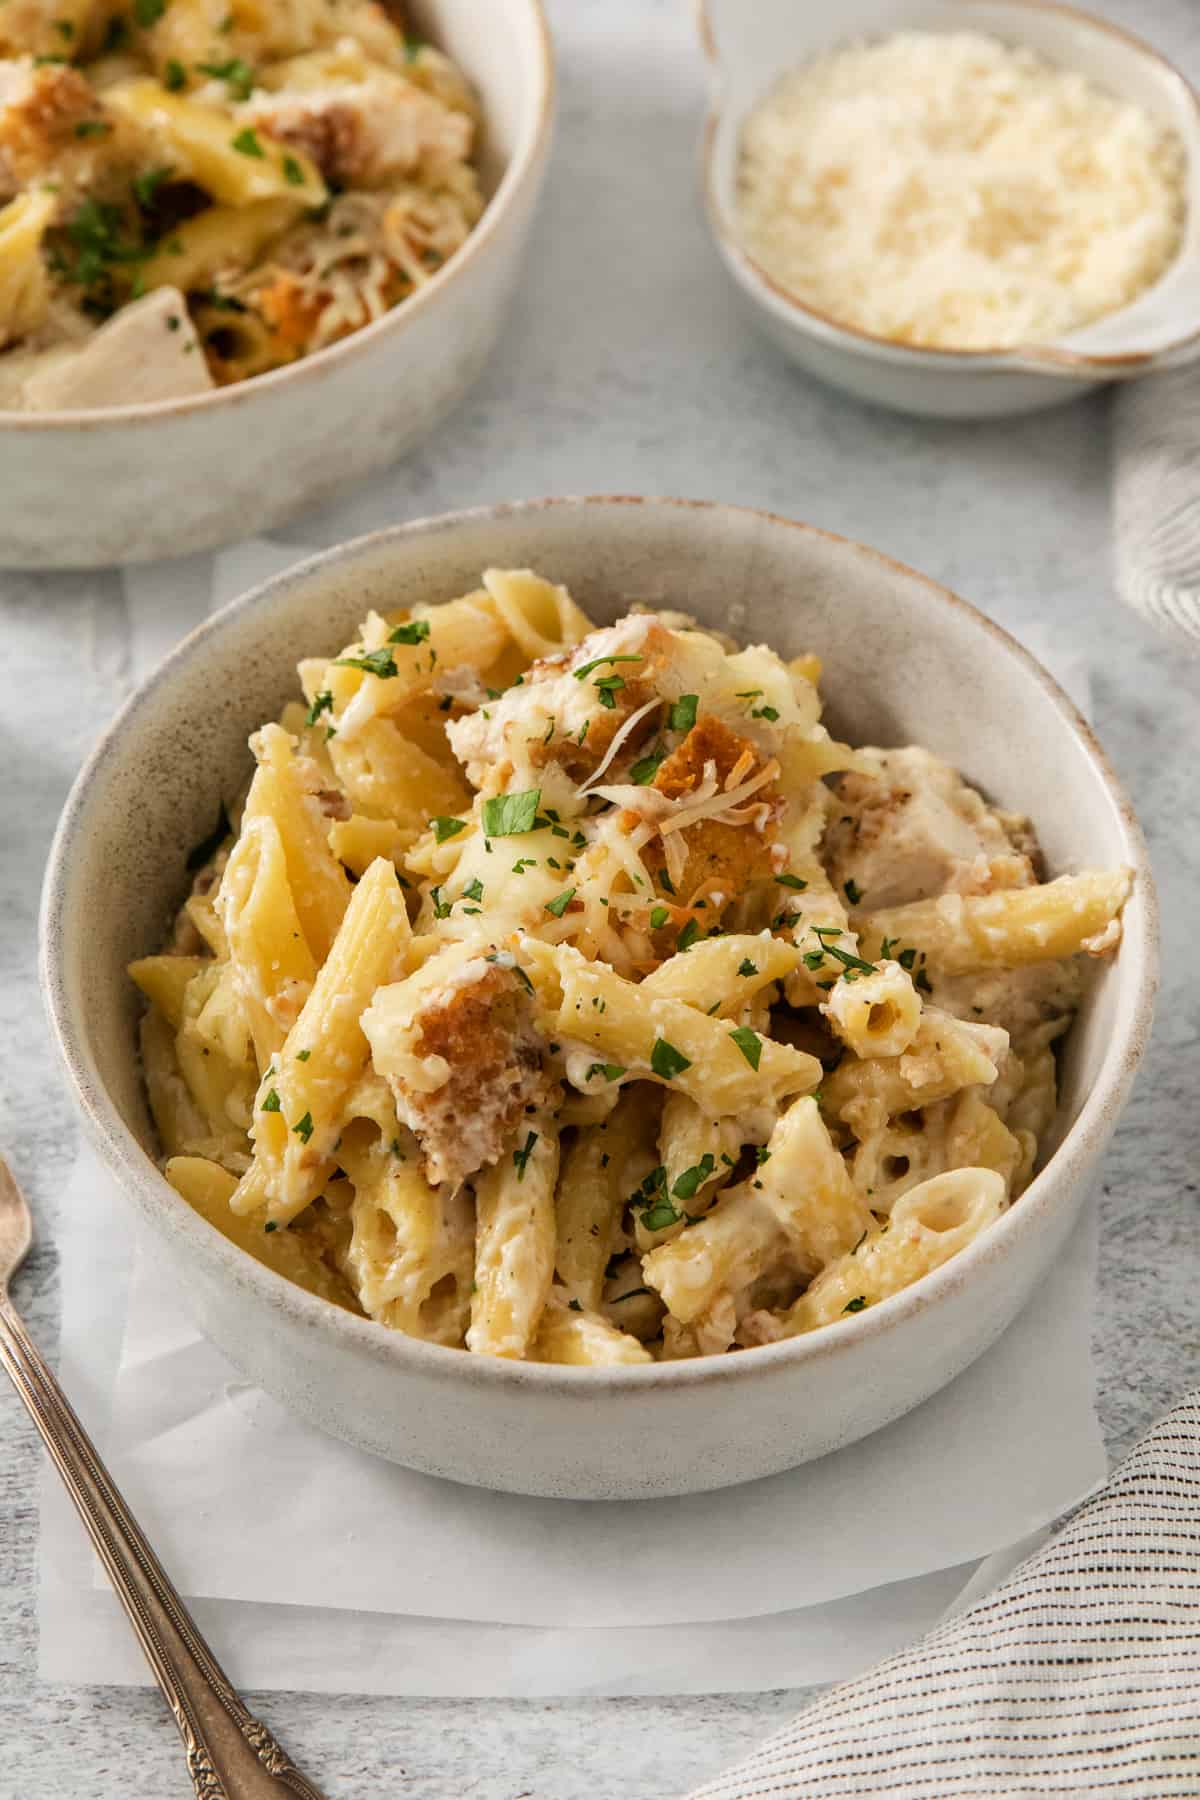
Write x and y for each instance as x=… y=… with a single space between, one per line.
x=570 y=995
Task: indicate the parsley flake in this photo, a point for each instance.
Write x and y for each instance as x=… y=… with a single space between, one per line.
x=598 y=662
x=246 y=142
x=379 y=662
x=413 y=631
x=322 y=702
x=856 y=1305
x=521 y=1157
x=792 y=881
x=303 y=1128
x=658 y=917
x=610 y=1071
x=687 y=936
x=749 y=1043
x=746 y=967
x=271 y=1103
x=695 y=1177
x=683 y=714
x=560 y=902
x=666 y=1061
x=643 y=772
x=444 y=827
x=508 y=815
x=853 y=891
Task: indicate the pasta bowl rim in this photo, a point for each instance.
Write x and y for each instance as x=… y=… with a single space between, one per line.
x=134 y=1168
x=523 y=167
x=1049 y=358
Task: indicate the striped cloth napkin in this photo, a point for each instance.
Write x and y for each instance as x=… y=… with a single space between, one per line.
x=1080 y=1675
x=1156 y=501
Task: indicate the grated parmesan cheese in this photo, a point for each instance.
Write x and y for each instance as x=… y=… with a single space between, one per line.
x=952 y=191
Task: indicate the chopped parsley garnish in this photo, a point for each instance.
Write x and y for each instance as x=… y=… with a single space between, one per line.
x=303 y=1055
x=856 y=1305
x=521 y=1157
x=413 y=47
x=853 y=891
x=508 y=815
x=413 y=631
x=322 y=702
x=303 y=1128
x=598 y=662
x=644 y=771
x=847 y=960
x=444 y=827
x=148 y=12
x=907 y=958
x=695 y=1177
x=687 y=936
x=294 y=174
x=762 y=1155
x=174 y=75
x=64 y=28
x=792 y=881
x=658 y=917
x=749 y=1043
x=607 y=686
x=862 y=1240
x=207 y=848
x=91 y=128
x=237 y=76
x=813 y=959
x=96 y=234
x=146 y=185
x=560 y=902
x=682 y=715
x=770 y=713
x=441 y=908
x=473 y=890
x=270 y=1225
x=271 y=1103
x=666 y=1061
x=379 y=662
x=746 y=967
x=921 y=982
x=610 y=1071
x=246 y=141
x=574 y=1306
x=665 y=882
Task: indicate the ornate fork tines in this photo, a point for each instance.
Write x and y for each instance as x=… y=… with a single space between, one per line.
x=231 y=1755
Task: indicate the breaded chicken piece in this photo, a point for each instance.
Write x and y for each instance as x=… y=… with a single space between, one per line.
x=55 y=128
x=720 y=856
x=480 y=1028
x=360 y=134
x=916 y=829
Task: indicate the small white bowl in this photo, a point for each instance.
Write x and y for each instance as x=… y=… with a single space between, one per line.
x=904 y=660
x=752 y=43
x=129 y=483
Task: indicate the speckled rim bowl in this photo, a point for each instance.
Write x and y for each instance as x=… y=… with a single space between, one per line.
x=752 y=43
x=903 y=658
x=130 y=483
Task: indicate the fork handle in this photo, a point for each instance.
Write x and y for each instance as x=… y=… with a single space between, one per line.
x=230 y=1754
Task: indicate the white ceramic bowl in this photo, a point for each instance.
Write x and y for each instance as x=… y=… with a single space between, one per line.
x=751 y=43
x=904 y=659
x=79 y=489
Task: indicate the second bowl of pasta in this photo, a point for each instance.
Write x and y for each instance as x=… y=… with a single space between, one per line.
x=558 y=1053
x=247 y=255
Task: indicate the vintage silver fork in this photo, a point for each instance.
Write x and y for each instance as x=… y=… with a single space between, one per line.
x=230 y=1754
